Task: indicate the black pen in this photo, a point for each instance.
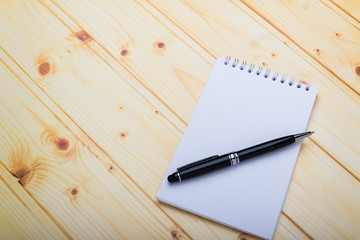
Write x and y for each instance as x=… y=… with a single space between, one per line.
x=217 y=162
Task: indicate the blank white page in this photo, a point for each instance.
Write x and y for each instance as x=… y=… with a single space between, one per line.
x=238 y=109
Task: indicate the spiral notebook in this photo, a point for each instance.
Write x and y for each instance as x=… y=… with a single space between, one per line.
x=241 y=105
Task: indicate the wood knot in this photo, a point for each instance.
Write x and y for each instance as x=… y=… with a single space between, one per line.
x=157 y=112
x=263 y=63
x=62 y=144
x=124 y=52
x=23 y=173
x=123 y=134
x=74 y=191
x=357 y=70
x=82 y=35
x=174 y=234
x=241 y=237
x=318 y=51
x=160 y=48
x=160 y=44
x=337 y=34
x=111 y=167
x=273 y=54
x=44 y=68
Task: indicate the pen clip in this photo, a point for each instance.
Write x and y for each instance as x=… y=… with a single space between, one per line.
x=196 y=163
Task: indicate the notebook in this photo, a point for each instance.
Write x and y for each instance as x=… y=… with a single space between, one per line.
x=241 y=105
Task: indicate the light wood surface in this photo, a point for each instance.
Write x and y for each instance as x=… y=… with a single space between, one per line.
x=95 y=96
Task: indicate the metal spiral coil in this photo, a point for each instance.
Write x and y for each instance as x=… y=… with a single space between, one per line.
x=275 y=76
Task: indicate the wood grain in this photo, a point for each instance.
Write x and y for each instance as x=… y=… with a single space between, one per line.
x=323 y=197
x=20 y=216
x=89 y=25
x=80 y=188
x=336 y=8
x=170 y=66
x=196 y=226
x=126 y=122
x=287 y=229
x=321 y=32
x=95 y=98
x=351 y=7
x=336 y=103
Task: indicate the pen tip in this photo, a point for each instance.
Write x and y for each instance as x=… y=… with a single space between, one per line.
x=301 y=136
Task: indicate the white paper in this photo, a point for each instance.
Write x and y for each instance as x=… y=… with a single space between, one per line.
x=236 y=110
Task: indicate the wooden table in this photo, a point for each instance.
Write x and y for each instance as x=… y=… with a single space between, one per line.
x=95 y=96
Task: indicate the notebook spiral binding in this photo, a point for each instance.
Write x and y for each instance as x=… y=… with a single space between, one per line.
x=275 y=76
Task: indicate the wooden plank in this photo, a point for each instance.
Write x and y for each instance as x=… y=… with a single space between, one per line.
x=126 y=121
x=351 y=7
x=20 y=216
x=221 y=30
x=216 y=32
x=323 y=197
x=286 y=230
x=320 y=32
x=329 y=159
x=170 y=66
x=341 y=12
x=69 y=176
x=198 y=228
x=95 y=105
